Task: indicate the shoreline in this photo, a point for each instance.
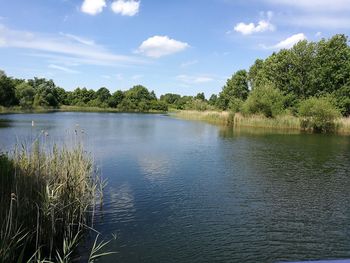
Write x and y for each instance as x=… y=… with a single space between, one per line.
x=236 y=120
x=223 y=118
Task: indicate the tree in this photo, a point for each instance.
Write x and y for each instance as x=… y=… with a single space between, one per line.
x=25 y=95
x=46 y=94
x=255 y=75
x=116 y=98
x=332 y=67
x=103 y=94
x=200 y=96
x=213 y=99
x=7 y=92
x=265 y=100
x=236 y=87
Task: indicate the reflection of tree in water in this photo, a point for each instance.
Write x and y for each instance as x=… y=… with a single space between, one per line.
x=4 y=123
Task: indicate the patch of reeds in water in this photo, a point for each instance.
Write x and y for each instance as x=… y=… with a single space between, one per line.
x=47 y=197
x=215 y=117
x=282 y=122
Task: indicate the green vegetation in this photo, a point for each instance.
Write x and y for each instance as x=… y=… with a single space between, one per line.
x=318 y=114
x=47 y=199
x=293 y=82
x=310 y=80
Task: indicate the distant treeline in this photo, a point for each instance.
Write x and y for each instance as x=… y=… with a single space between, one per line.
x=297 y=81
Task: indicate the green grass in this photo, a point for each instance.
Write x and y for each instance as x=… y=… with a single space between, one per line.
x=281 y=122
x=47 y=197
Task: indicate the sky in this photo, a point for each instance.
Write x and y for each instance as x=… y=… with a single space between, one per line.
x=176 y=46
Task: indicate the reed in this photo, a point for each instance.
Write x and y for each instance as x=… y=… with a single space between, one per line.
x=283 y=122
x=214 y=117
x=46 y=202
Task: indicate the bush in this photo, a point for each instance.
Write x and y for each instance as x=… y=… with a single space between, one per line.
x=264 y=100
x=318 y=114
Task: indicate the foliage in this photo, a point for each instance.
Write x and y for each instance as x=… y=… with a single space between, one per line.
x=264 y=100
x=318 y=114
x=236 y=87
x=7 y=91
x=308 y=69
x=25 y=95
x=235 y=104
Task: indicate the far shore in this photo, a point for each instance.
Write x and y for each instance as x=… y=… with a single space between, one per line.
x=226 y=118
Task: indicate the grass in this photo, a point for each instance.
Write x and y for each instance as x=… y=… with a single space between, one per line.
x=282 y=122
x=47 y=197
x=214 y=117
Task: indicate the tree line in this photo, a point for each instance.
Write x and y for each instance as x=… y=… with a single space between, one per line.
x=307 y=77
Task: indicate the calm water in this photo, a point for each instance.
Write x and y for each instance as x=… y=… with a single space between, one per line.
x=182 y=191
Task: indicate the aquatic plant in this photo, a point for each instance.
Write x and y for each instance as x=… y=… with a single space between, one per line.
x=47 y=197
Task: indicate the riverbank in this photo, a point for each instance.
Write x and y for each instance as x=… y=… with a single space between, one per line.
x=286 y=122
x=65 y=108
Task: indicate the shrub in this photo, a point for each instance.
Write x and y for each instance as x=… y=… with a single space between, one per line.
x=265 y=100
x=318 y=114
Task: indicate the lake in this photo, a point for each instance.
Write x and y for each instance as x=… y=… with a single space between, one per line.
x=185 y=191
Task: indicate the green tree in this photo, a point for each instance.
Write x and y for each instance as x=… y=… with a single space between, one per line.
x=25 y=95
x=213 y=100
x=46 y=94
x=200 y=96
x=236 y=87
x=116 y=98
x=265 y=100
x=332 y=67
x=7 y=91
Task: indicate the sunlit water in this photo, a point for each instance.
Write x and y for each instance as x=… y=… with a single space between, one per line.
x=183 y=191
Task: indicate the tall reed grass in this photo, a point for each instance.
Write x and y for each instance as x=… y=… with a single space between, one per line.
x=47 y=197
x=286 y=122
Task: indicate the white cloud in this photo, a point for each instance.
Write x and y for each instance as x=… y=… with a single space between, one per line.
x=93 y=7
x=67 y=70
x=194 y=79
x=158 y=46
x=126 y=7
x=315 y=5
x=247 y=29
x=290 y=41
x=69 y=48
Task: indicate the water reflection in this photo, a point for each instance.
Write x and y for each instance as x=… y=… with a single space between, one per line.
x=182 y=191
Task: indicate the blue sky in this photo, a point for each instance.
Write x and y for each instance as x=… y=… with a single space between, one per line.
x=182 y=46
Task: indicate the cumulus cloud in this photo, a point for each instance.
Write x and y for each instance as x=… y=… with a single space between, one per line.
x=93 y=7
x=158 y=46
x=247 y=29
x=290 y=41
x=126 y=8
x=72 y=49
x=194 y=79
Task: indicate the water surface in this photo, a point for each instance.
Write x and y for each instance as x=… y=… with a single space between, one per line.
x=184 y=191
